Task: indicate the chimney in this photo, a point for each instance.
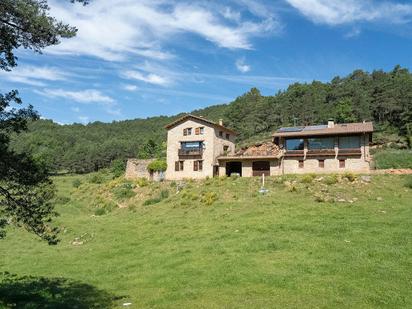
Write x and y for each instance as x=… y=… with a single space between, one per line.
x=331 y=124
x=221 y=122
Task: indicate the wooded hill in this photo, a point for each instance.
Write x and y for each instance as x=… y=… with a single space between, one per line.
x=383 y=97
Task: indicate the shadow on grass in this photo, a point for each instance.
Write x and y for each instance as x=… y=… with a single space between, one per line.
x=41 y=292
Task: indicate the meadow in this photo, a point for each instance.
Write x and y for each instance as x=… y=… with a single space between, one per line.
x=309 y=242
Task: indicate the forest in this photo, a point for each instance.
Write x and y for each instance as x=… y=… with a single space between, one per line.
x=382 y=97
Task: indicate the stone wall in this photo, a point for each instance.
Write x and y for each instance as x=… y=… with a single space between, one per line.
x=137 y=168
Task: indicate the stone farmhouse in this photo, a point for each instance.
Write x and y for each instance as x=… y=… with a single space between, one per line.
x=199 y=148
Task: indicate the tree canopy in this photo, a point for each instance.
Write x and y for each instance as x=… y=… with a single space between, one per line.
x=25 y=187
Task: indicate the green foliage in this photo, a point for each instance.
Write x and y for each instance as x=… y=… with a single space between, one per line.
x=158 y=165
x=350 y=176
x=389 y=158
x=76 y=183
x=124 y=191
x=100 y=212
x=62 y=200
x=308 y=178
x=408 y=181
x=164 y=194
x=331 y=179
x=208 y=198
x=118 y=167
x=142 y=182
x=152 y=201
x=96 y=178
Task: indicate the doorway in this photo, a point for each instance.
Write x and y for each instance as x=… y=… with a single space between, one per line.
x=233 y=167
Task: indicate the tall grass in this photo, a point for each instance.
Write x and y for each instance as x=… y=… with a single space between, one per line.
x=393 y=159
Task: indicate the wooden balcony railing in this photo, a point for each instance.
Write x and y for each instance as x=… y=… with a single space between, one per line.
x=320 y=152
x=294 y=153
x=190 y=152
x=349 y=152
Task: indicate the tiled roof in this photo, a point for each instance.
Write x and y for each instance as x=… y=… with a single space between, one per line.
x=201 y=119
x=338 y=128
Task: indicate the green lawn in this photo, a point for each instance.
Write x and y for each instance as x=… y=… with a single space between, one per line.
x=315 y=243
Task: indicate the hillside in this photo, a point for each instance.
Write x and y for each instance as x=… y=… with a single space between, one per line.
x=383 y=97
x=318 y=242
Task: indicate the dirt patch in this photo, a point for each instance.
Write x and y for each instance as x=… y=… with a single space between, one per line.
x=393 y=171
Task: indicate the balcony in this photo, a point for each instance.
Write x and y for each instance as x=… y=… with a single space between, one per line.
x=294 y=153
x=190 y=152
x=350 y=152
x=320 y=153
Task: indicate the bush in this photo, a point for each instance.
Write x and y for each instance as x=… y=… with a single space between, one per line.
x=96 y=178
x=234 y=176
x=164 y=194
x=308 y=178
x=152 y=201
x=76 y=183
x=157 y=166
x=350 y=176
x=118 y=167
x=142 y=182
x=208 y=198
x=331 y=179
x=123 y=192
x=408 y=182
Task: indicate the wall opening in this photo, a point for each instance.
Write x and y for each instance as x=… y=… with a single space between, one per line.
x=261 y=167
x=233 y=167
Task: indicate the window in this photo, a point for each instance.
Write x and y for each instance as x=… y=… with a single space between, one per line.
x=294 y=144
x=179 y=166
x=221 y=133
x=225 y=148
x=227 y=136
x=321 y=163
x=348 y=142
x=191 y=145
x=301 y=164
x=200 y=131
x=197 y=166
x=187 y=131
x=321 y=143
x=341 y=163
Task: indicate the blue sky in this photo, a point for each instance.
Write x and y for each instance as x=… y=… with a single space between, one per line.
x=134 y=59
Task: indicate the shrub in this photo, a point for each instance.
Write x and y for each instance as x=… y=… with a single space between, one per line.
x=142 y=182
x=157 y=165
x=189 y=195
x=308 y=178
x=331 y=179
x=208 y=198
x=164 y=194
x=350 y=176
x=408 y=182
x=123 y=192
x=151 y=201
x=96 y=178
x=234 y=176
x=76 y=183
x=118 y=167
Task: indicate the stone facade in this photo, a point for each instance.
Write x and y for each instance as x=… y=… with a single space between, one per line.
x=359 y=163
x=136 y=168
x=213 y=146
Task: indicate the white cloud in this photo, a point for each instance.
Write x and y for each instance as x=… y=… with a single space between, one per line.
x=34 y=76
x=150 y=78
x=83 y=96
x=335 y=12
x=76 y=109
x=115 y=30
x=242 y=66
x=129 y=87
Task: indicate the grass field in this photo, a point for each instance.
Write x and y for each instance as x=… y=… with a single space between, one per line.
x=392 y=158
x=310 y=242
